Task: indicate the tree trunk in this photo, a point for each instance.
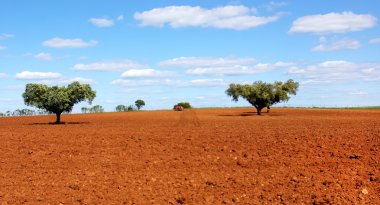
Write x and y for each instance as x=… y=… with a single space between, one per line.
x=268 y=109
x=259 y=110
x=58 y=118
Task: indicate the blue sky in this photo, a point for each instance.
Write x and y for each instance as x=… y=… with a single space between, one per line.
x=165 y=52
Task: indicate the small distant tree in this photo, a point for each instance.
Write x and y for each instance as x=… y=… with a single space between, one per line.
x=185 y=105
x=57 y=99
x=84 y=110
x=97 y=109
x=130 y=108
x=43 y=112
x=261 y=94
x=139 y=104
x=120 y=108
x=17 y=112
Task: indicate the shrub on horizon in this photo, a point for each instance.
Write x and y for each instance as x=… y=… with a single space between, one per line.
x=185 y=105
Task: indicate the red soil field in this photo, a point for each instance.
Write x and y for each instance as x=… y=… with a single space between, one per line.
x=199 y=156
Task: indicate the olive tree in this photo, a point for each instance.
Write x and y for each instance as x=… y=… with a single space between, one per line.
x=261 y=94
x=97 y=109
x=120 y=108
x=139 y=104
x=56 y=99
x=84 y=110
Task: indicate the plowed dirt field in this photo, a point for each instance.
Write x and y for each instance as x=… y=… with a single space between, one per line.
x=199 y=156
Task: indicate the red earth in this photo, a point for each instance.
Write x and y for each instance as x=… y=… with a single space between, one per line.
x=198 y=156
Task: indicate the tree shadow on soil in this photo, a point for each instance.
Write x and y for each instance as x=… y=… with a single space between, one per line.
x=248 y=114
x=62 y=123
x=244 y=114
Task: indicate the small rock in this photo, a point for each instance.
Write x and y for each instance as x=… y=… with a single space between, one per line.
x=74 y=187
x=365 y=191
x=294 y=179
x=180 y=200
x=354 y=157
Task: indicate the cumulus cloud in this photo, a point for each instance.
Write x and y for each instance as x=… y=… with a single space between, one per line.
x=2 y=47
x=68 y=43
x=3 y=75
x=220 y=66
x=50 y=78
x=28 y=75
x=375 y=41
x=333 y=23
x=337 y=71
x=109 y=66
x=231 y=70
x=64 y=81
x=334 y=44
x=102 y=22
x=203 y=83
x=138 y=83
x=172 y=83
x=190 y=62
x=151 y=73
x=227 y=17
x=283 y=64
x=79 y=79
x=44 y=56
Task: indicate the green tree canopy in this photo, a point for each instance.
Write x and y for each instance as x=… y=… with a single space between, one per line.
x=139 y=104
x=97 y=109
x=261 y=94
x=185 y=105
x=120 y=108
x=57 y=99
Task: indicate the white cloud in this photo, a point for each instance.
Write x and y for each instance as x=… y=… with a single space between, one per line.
x=283 y=64
x=272 y=5
x=68 y=43
x=172 y=83
x=333 y=23
x=227 y=17
x=375 y=41
x=231 y=70
x=28 y=75
x=6 y=36
x=2 y=48
x=340 y=44
x=337 y=71
x=109 y=66
x=102 y=22
x=191 y=62
x=79 y=79
x=44 y=56
x=203 y=83
x=221 y=66
x=133 y=83
x=139 y=73
x=357 y=92
x=3 y=75
x=64 y=81
x=120 y=18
